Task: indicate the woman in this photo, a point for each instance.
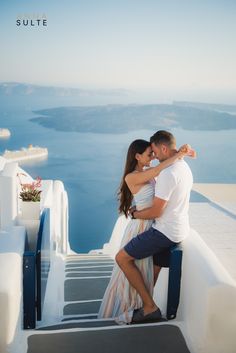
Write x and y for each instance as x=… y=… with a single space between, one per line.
x=120 y=299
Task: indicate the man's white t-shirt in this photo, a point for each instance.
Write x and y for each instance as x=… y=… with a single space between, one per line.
x=174 y=185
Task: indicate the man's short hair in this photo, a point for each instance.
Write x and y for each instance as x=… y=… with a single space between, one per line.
x=164 y=137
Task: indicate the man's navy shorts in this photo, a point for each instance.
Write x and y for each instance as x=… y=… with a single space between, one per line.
x=151 y=243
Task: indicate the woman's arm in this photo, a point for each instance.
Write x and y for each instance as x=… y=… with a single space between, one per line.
x=142 y=177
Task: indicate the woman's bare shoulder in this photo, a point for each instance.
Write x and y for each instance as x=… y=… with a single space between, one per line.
x=131 y=175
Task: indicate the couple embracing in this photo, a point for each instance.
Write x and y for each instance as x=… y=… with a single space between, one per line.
x=158 y=220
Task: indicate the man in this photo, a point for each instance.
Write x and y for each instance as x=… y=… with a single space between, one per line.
x=171 y=225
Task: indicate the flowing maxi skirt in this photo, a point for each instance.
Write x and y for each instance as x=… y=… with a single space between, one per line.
x=120 y=299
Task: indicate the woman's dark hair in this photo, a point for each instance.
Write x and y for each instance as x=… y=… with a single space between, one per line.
x=125 y=197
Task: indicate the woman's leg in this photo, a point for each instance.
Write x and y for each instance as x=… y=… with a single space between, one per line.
x=132 y=273
x=156 y=271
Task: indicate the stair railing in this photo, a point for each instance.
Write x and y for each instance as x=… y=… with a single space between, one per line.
x=36 y=266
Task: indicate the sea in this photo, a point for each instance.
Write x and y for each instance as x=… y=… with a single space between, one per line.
x=91 y=164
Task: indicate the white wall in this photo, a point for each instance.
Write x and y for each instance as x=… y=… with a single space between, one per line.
x=12 y=248
x=208 y=300
x=8 y=192
x=113 y=246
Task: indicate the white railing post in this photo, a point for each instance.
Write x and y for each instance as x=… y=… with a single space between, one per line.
x=65 y=221
x=60 y=215
x=9 y=195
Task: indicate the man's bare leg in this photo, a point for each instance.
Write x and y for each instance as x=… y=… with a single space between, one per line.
x=156 y=271
x=134 y=276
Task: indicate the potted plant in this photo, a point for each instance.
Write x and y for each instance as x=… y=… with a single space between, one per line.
x=30 y=195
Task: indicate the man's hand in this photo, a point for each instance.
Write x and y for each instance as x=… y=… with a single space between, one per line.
x=186 y=150
x=131 y=211
x=155 y=211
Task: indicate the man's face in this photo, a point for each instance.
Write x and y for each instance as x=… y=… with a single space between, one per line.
x=161 y=151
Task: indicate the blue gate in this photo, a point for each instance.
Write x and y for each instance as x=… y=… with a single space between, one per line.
x=36 y=266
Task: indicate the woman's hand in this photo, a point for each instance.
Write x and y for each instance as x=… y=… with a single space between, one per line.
x=186 y=150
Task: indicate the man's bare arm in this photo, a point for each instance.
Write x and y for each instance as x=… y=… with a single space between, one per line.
x=155 y=211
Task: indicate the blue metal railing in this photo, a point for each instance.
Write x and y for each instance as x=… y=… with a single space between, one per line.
x=36 y=266
x=29 y=313
x=174 y=282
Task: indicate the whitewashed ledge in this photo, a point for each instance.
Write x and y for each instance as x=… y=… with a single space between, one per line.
x=214 y=218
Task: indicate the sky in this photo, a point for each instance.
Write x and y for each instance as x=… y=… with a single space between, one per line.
x=183 y=48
